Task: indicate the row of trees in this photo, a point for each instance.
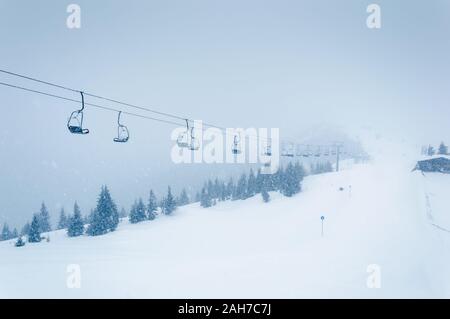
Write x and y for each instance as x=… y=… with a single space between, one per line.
x=430 y=150
x=105 y=217
x=286 y=181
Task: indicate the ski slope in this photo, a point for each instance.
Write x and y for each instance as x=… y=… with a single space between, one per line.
x=385 y=215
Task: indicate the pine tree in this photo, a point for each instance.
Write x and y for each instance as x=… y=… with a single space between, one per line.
x=169 y=203
x=430 y=151
x=6 y=233
x=152 y=206
x=34 y=235
x=205 y=200
x=197 y=197
x=259 y=181
x=106 y=215
x=75 y=222
x=241 y=188
x=25 y=229
x=63 y=222
x=183 y=199
x=20 y=242
x=265 y=195
x=14 y=233
x=290 y=181
x=123 y=213
x=44 y=219
x=137 y=212
x=443 y=149
x=251 y=185
x=229 y=189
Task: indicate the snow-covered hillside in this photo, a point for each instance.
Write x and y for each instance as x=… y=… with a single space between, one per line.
x=384 y=215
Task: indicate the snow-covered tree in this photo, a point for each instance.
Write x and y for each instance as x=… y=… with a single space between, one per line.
x=123 y=213
x=241 y=188
x=431 y=150
x=14 y=233
x=137 y=212
x=106 y=216
x=229 y=189
x=152 y=206
x=34 y=235
x=251 y=185
x=205 y=200
x=183 y=199
x=259 y=181
x=265 y=195
x=6 y=233
x=75 y=223
x=44 y=219
x=25 y=229
x=169 y=203
x=443 y=149
x=62 y=223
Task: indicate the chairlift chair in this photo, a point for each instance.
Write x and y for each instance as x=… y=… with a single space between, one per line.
x=268 y=149
x=288 y=151
x=306 y=152
x=122 y=132
x=183 y=138
x=75 y=122
x=194 y=145
x=236 y=149
x=318 y=153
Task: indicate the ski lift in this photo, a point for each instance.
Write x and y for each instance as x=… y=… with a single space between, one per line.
x=75 y=122
x=318 y=153
x=122 y=132
x=307 y=152
x=288 y=151
x=236 y=149
x=298 y=151
x=194 y=145
x=183 y=138
x=268 y=149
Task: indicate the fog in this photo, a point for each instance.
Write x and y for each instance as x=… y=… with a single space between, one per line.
x=291 y=65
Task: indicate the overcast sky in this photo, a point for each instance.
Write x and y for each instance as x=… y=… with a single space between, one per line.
x=284 y=64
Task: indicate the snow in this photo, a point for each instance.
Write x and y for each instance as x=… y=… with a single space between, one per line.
x=385 y=215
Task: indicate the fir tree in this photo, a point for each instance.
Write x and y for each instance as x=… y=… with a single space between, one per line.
x=34 y=235
x=241 y=188
x=183 y=199
x=169 y=203
x=290 y=181
x=251 y=184
x=25 y=229
x=137 y=212
x=123 y=213
x=106 y=215
x=259 y=181
x=152 y=206
x=63 y=222
x=6 y=233
x=265 y=195
x=205 y=200
x=443 y=149
x=430 y=151
x=75 y=225
x=14 y=233
x=229 y=189
x=44 y=219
